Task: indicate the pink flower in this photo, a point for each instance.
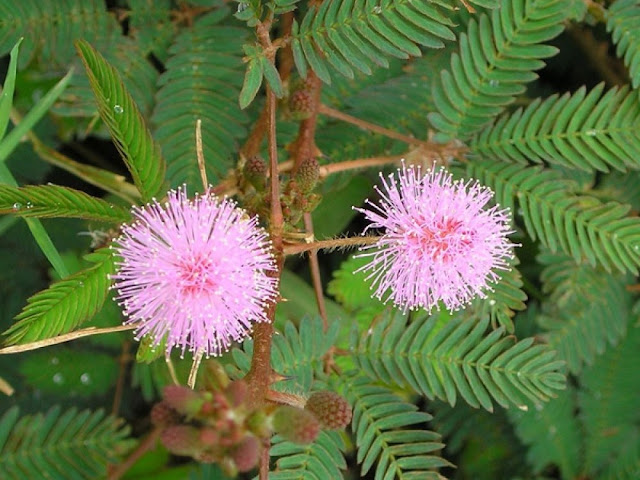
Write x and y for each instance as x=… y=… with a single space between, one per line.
x=439 y=243
x=194 y=272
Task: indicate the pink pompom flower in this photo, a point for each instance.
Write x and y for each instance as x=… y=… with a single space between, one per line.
x=439 y=245
x=194 y=273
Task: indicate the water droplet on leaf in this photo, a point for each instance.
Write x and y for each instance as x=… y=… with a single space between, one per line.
x=85 y=379
x=17 y=206
x=118 y=109
x=58 y=379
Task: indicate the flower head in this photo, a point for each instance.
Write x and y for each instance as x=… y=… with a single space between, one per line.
x=194 y=273
x=440 y=244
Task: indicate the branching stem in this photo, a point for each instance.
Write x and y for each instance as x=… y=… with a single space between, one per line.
x=337 y=114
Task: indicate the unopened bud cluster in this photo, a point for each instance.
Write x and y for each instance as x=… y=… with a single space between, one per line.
x=298 y=197
x=218 y=425
x=210 y=426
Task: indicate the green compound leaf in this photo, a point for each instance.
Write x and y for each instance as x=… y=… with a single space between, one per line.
x=585 y=310
x=66 y=304
x=579 y=225
x=47 y=39
x=456 y=359
x=54 y=201
x=498 y=55
x=78 y=445
x=343 y=35
x=608 y=402
x=324 y=458
x=119 y=112
x=623 y=22
x=297 y=352
x=586 y=131
x=387 y=434
x=552 y=434
x=202 y=81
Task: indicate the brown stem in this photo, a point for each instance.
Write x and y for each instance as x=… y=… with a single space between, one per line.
x=286 y=53
x=332 y=168
x=147 y=444
x=67 y=337
x=333 y=113
x=258 y=378
x=252 y=145
x=264 y=462
x=200 y=155
x=124 y=360
x=316 y=278
x=350 y=242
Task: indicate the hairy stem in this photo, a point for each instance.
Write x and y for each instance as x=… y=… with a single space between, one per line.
x=316 y=278
x=258 y=378
x=67 y=337
x=337 y=114
x=123 y=360
x=352 y=242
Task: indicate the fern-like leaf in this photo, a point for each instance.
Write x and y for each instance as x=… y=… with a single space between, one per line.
x=151 y=26
x=579 y=225
x=322 y=459
x=588 y=131
x=202 y=81
x=131 y=136
x=138 y=75
x=584 y=310
x=347 y=34
x=349 y=288
x=389 y=433
x=552 y=434
x=40 y=24
x=504 y=298
x=65 y=304
x=55 y=201
x=297 y=352
x=608 y=402
x=623 y=22
x=467 y=431
x=497 y=57
x=454 y=357
x=60 y=446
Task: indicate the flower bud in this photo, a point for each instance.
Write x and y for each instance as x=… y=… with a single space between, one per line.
x=258 y=424
x=331 y=409
x=308 y=174
x=181 y=440
x=296 y=425
x=162 y=415
x=236 y=392
x=255 y=172
x=183 y=400
x=247 y=454
x=301 y=104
